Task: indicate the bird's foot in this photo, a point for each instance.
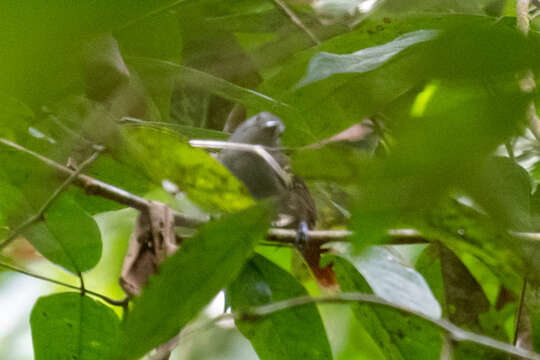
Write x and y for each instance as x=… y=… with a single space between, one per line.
x=302 y=235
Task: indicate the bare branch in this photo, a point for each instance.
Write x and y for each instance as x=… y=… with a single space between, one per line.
x=96 y=187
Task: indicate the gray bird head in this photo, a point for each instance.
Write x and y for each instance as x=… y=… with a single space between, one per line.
x=263 y=128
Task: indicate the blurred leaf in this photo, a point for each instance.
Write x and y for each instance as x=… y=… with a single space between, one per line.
x=324 y=65
x=71 y=326
x=68 y=236
x=348 y=163
x=460 y=124
x=295 y=333
x=470 y=234
x=157 y=37
x=166 y=156
x=502 y=188
x=398 y=334
x=212 y=84
x=393 y=281
x=34 y=31
x=190 y=279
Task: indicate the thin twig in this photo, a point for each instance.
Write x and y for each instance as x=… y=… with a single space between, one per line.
x=259 y=150
x=519 y=311
x=456 y=333
x=57 y=282
x=39 y=215
x=296 y=20
x=96 y=187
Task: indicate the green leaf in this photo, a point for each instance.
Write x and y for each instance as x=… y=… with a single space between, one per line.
x=166 y=156
x=401 y=336
x=75 y=327
x=395 y=282
x=466 y=304
x=190 y=279
x=68 y=236
x=295 y=333
x=324 y=64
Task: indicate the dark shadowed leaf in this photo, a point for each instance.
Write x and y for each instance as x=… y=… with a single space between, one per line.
x=296 y=333
x=190 y=279
x=75 y=327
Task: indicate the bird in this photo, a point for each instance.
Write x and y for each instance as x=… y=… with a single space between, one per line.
x=295 y=208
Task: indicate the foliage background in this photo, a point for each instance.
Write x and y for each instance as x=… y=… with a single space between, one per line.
x=452 y=154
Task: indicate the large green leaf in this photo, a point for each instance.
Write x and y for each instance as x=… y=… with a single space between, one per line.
x=71 y=326
x=166 y=156
x=296 y=333
x=68 y=236
x=401 y=336
x=189 y=279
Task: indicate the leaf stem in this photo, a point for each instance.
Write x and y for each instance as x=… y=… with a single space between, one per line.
x=57 y=282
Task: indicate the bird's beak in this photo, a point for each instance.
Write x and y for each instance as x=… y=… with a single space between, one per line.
x=276 y=125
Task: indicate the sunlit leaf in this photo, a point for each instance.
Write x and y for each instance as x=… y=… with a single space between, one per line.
x=166 y=156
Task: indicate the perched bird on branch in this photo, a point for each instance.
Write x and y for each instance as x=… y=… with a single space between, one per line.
x=295 y=207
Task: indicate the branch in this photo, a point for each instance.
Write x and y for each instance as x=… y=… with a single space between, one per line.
x=455 y=332
x=39 y=215
x=98 y=188
x=57 y=282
